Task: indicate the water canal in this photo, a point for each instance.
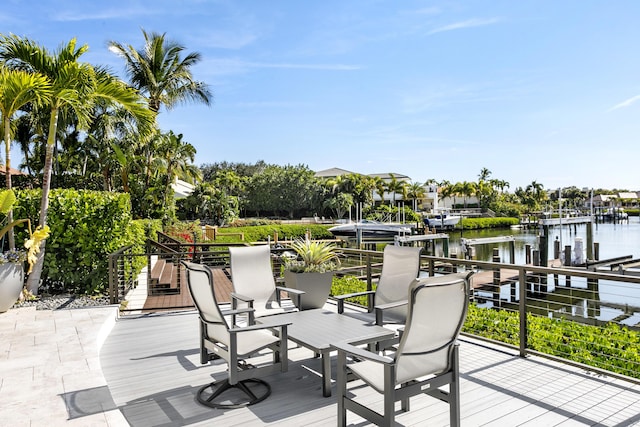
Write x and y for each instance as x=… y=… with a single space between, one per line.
x=614 y=239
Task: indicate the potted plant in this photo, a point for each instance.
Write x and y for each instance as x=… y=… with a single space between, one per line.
x=12 y=260
x=311 y=271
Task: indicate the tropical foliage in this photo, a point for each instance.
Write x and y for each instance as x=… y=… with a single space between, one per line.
x=78 y=125
x=312 y=256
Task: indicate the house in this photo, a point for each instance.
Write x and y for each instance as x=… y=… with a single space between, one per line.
x=182 y=189
x=628 y=199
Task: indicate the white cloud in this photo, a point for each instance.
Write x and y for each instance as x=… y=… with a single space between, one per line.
x=119 y=13
x=328 y=67
x=465 y=24
x=626 y=103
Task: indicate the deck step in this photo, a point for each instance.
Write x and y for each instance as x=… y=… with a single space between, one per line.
x=164 y=279
x=156 y=271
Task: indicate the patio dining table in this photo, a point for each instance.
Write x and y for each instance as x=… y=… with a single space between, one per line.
x=317 y=329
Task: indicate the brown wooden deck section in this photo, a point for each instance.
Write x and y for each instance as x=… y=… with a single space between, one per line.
x=182 y=299
x=484 y=279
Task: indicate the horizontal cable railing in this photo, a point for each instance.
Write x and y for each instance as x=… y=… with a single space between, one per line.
x=588 y=318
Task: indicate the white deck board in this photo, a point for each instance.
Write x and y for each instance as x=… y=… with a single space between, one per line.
x=151 y=365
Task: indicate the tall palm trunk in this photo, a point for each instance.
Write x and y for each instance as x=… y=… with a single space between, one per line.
x=36 y=272
x=7 y=172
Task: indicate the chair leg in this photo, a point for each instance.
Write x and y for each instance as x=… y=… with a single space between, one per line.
x=208 y=394
x=454 y=390
x=341 y=388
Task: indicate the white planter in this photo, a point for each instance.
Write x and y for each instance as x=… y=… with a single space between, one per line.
x=11 y=284
x=317 y=287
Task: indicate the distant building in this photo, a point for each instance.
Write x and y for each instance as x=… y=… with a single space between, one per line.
x=13 y=171
x=182 y=189
x=332 y=173
x=386 y=177
x=628 y=199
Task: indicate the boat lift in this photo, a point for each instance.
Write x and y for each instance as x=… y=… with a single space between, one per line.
x=469 y=249
x=424 y=239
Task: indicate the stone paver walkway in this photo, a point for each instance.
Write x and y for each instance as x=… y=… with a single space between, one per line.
x=50 y=370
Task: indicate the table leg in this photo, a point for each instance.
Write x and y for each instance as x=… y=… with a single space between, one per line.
x=326 y=373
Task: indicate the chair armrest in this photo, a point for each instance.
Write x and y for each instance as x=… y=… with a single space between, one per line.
x=362 y=353
x=379 y=309
x=241 y=297
x=237 y=311
x=290 y=290
x=295 y=294
x=260 y=326
x=235 y=297
x=341 y=298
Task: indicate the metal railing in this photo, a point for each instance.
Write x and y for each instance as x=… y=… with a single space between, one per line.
x=586 y=318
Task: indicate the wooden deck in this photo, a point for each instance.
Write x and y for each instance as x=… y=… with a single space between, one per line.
x=182 y=299
x=151 y=365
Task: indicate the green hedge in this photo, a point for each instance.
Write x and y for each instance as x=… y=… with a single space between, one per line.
x=86 y=226
x=611 y=347
x=262 y=233
x=477 y=223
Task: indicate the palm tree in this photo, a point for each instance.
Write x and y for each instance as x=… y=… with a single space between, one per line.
x=178 y=157
x=467 y=189
x=159 y=72
x=394 y=186
x=484 y=174
x=75 y=87
x=415 y=191
x=18 y=88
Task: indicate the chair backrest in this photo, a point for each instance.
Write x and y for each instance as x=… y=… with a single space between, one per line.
x=200 y=283
x=400 y=266
x=252 y=274
x=437 y=310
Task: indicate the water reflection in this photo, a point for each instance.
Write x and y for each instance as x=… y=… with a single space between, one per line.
x=576 y=298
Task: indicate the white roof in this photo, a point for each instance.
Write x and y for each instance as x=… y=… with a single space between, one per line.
x=182 y=189
x=627 y=195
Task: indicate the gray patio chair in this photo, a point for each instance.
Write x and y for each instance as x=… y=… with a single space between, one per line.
x=425 y=360
x=400 y=266
x=232 y=343
x=253 y=282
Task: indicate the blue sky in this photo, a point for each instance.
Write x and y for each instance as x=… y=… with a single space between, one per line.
x=545 y=91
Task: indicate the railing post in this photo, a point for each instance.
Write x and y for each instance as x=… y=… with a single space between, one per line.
x=522 y=277
x=369 y=273
x=113 y=285
x=496 y=278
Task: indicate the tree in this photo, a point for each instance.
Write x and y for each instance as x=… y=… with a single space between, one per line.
x=177 y=156
x=415 y=191
x=340 y=203
x=159 y=72
x=75 y=87
x=484 y=174
x=395 y=186
x=467 y=189
x=18 y=88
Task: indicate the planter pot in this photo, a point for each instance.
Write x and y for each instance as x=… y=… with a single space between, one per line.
x=316 y=286
x=11 y=284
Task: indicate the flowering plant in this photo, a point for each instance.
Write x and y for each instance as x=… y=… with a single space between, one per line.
x=13 y=255
x=32 y=245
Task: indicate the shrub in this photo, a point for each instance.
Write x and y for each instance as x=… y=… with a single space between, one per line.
x=86 y=226
x=611 y=347
x=477 y=223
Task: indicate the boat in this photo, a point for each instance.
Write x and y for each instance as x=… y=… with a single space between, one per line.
x=370 y=229
x=441 y=221
x=613 y=214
